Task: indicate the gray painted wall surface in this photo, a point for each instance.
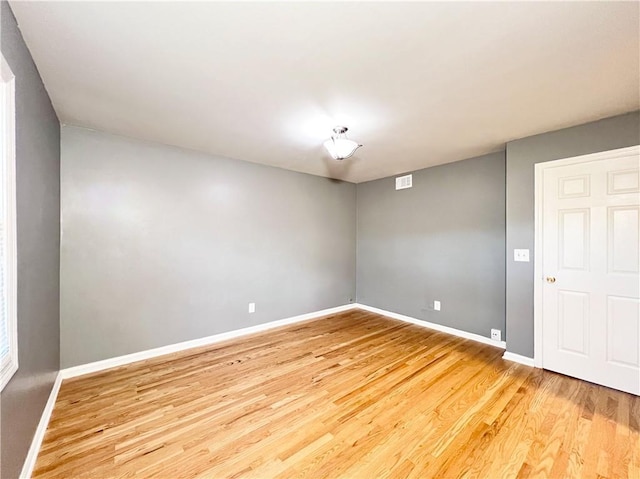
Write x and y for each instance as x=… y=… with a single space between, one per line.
x=443 y=239
x=162 y=245
x=522 y=155
x=38 y=218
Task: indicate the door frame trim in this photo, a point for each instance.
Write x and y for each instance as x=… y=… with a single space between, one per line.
x=538 y=273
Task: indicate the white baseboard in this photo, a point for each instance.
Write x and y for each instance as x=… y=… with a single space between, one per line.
x=32 y=455
x=516 y=358
x=173 y=348
x=437 y=327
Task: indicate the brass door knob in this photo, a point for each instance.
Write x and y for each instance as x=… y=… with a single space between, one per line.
x=551 y=279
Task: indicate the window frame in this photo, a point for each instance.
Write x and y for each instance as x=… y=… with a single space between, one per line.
x=9 y=363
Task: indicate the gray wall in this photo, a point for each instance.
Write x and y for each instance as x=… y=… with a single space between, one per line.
x=162 y=245
x=38 y=210
x=443 y=239
x=522 y=155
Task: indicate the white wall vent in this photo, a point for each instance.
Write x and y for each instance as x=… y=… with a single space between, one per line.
x=403 y=182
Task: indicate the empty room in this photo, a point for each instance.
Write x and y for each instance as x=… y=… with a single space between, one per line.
x=319 y=239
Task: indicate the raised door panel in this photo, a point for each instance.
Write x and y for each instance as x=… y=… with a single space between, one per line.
x=573 y=322
x=623 y=331
x=623 y=239
x=623 y=181
x=574 y=186
x=573 y=239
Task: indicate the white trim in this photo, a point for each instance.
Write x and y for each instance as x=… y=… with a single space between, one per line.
x=437 y=327
x=537 y=265
x=194 y=343
x=32 y=455
x=601 y=155
x=9 y=366
x=538 y=273
x=216 y=338
x=516 y=358
x=36 y=443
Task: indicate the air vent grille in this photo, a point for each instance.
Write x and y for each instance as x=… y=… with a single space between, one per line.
x=403 y=182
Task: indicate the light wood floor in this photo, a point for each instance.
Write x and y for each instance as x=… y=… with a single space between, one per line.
x=353 y=395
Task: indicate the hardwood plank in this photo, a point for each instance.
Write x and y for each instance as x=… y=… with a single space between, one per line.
x=349 y=395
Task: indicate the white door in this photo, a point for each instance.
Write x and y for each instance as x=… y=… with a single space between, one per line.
x=590 y=265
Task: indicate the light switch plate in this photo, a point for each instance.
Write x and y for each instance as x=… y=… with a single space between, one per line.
x=521 y=255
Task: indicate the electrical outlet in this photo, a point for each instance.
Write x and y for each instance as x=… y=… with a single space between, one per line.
x=436 y=305
x=496 y=335
x=252 y=307
x=521 y=255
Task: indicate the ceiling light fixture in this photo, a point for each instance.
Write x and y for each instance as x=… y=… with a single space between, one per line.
x=339 y=146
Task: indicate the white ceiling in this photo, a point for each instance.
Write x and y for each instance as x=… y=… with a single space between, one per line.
x=418 y=84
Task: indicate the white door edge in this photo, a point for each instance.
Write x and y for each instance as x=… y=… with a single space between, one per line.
x=538 y=273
